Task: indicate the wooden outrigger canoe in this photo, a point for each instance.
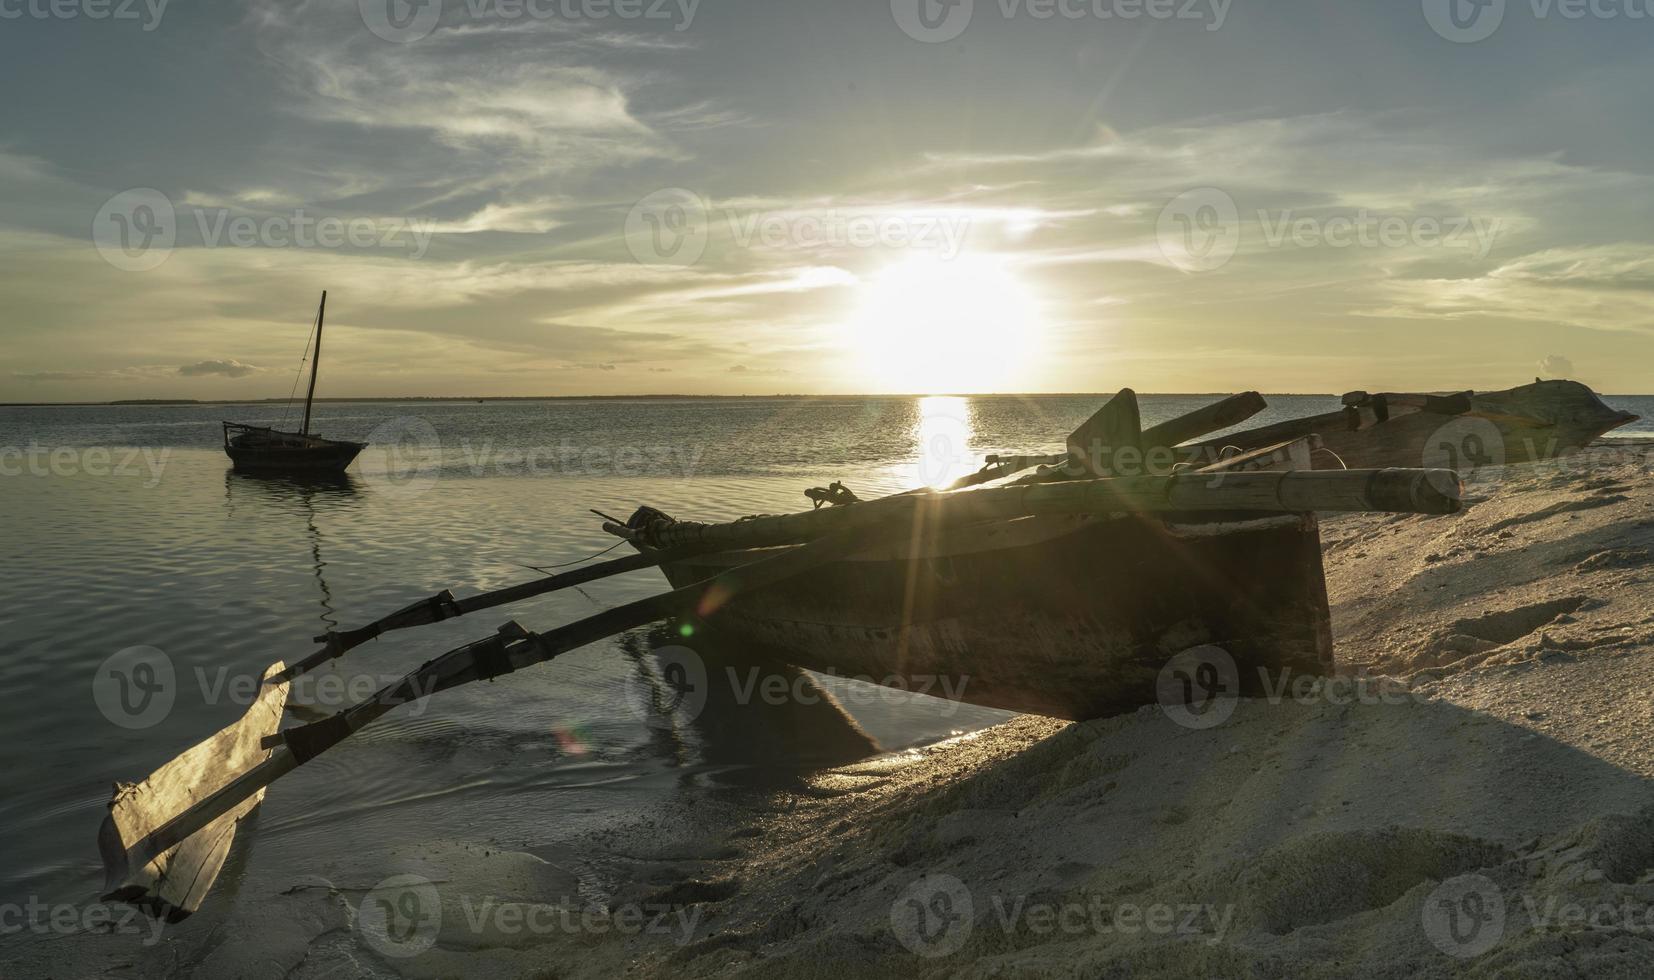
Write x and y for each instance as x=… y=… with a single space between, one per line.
x=1531 y=423
x=1066 y=616
x=1064 y=597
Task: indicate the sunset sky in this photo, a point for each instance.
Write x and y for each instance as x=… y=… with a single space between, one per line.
x=758 y=196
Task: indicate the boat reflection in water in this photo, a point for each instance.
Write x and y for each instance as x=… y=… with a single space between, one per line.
x=753 y=718
x=298 y=492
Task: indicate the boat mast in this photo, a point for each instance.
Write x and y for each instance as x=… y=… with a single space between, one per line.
x=310 y=395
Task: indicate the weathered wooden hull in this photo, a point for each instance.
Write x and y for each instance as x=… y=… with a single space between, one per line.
x=1067 y=617
x=1544 y=420
x=324 y=459
x=260 y=450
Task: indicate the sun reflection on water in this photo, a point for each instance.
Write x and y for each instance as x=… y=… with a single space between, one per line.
x=943 y=440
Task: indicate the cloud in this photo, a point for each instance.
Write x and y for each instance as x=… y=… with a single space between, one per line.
x=50 y=376
x=1556 y=366
x=144 y=372
x=227 y=368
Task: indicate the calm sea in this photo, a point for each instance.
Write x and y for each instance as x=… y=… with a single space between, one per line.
x=126 y=529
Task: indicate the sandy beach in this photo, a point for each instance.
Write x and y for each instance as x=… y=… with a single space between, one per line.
x=1471 y=798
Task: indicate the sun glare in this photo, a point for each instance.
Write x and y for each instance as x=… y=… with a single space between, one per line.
x=929 y=325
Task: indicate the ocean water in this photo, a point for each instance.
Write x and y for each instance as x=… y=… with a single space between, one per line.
x=128 y=538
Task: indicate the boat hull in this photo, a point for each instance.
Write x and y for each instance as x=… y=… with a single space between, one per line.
x=319 y=459
x=1066 y=617
x=1532 y=423
x=262 y=450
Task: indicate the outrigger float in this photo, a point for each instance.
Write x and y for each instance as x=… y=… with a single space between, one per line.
x=1062 y=592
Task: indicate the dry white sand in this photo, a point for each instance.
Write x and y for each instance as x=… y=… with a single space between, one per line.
x=1478 y=805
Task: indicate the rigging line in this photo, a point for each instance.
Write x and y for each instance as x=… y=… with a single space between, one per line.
x=577 y=561
x=302 y=358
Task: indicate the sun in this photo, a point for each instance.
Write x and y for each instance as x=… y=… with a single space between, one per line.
x=929 y=325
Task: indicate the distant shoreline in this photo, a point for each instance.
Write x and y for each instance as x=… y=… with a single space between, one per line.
x=142 y=402
x=130 y=402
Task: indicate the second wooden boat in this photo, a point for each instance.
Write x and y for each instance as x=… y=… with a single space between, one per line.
x=1531 y=423
x=264 y=449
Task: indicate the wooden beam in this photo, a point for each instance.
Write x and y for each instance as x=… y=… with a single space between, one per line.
x=1296 y=454
x=1219 y=415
